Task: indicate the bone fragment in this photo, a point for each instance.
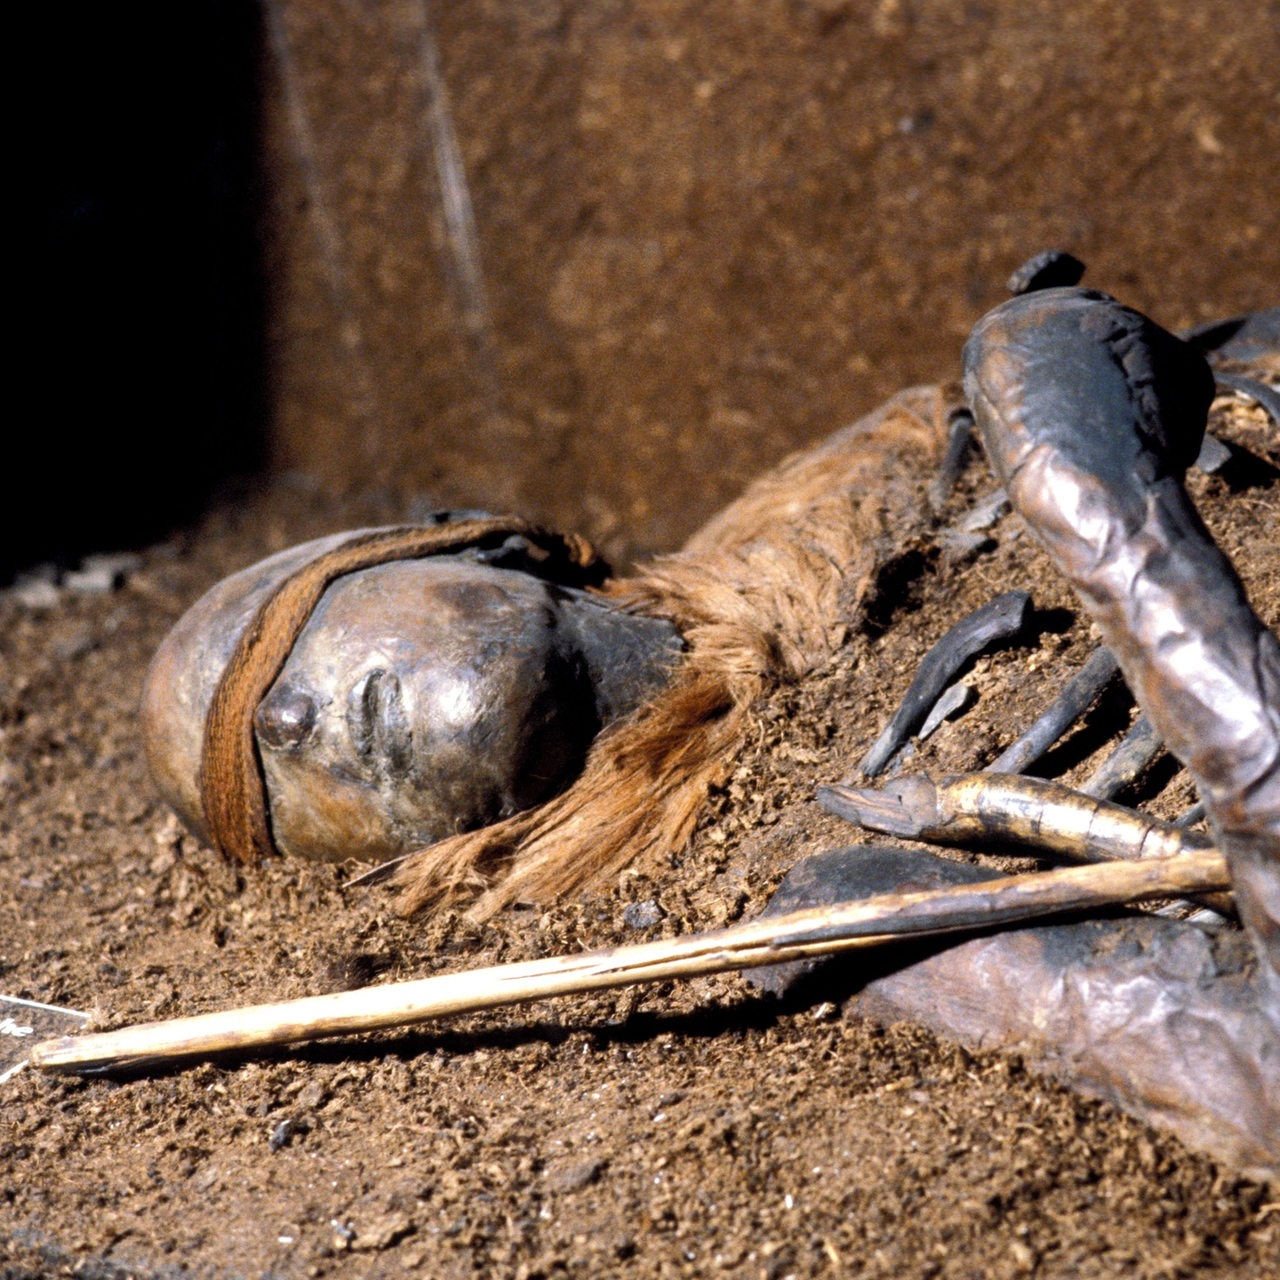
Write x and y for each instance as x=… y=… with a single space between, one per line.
x=997 y=620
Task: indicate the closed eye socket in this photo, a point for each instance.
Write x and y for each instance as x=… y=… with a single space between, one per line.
x=377 y=724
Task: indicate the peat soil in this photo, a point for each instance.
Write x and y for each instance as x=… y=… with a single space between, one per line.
x=685 y=1129
x=711 y=233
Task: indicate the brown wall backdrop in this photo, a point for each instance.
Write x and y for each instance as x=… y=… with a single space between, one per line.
x=712 y=231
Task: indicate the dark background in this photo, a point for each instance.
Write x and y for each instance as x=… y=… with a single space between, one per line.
x=142 y=328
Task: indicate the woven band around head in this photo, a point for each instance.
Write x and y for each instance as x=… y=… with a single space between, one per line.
x=232 y=785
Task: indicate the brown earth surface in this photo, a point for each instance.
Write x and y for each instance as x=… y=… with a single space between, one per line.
x=686 y=1129
x=712 y=232
x=709 y=238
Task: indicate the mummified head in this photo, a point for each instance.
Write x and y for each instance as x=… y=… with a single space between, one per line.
x=422 y=697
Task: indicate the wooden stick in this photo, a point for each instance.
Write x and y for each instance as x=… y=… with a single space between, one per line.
x=795 y=936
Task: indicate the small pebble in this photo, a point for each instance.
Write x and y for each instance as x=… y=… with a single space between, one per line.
x=285 y=1132
x=381 y=1232
x=642 y=915
x=574 y=1177
x=100 y=574
x=37 y=588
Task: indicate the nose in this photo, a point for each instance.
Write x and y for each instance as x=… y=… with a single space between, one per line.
x=285 y=718
x=378 y=724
